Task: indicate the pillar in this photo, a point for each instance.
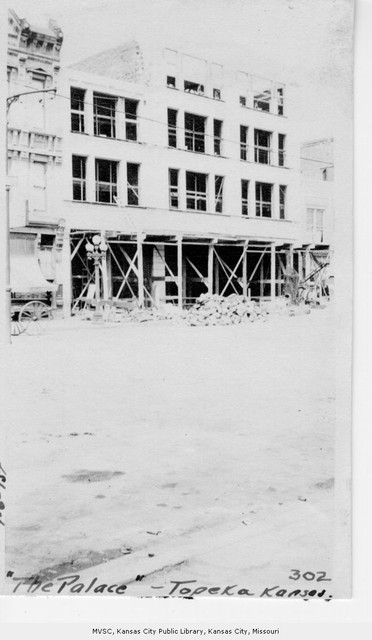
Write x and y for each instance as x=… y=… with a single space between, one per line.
x=141 y=297
x=272 y=271
x=244 y=267
x=210 y=268
x=66 y=277
x=179 y=270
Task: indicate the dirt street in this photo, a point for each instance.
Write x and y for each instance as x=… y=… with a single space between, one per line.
x=181 y=453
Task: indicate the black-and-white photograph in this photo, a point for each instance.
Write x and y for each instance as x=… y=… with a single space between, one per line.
x=178 y=299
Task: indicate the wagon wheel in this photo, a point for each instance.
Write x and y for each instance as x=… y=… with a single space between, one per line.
x=35 y=315
x=16 y=326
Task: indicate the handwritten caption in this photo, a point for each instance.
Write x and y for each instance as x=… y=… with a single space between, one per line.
x=72 y=584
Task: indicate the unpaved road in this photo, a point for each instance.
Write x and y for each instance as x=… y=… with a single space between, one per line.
x=187 y=453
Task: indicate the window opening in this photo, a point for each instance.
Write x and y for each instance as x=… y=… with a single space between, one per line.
x=106 y=181
x=77 y=110
x=218 y=193
x=245 y=187
x=280 y=99
x=315 y=224
x=104 y=115
x=172 y=128
x=281 y=150
x=282 y=201
x=194 y=133
x=133 y=184
x=196 y=191
x=243 y=101
x=262 y=146
x=171 y=82
x=217 y=94
x=194 y=87
x=131 y=119
x=217 y=137
x=261 y=93
x=78 y=178
x=263 y=199
x=173 y=189
x=243 y=142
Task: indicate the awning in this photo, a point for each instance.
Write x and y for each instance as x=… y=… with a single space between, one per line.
x=25 y=273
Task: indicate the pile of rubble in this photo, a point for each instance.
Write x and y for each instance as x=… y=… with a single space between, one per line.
x=217 y=310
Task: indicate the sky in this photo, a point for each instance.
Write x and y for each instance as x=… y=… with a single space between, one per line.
x=305 y=42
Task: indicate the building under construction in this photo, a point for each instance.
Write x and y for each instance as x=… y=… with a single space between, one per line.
x=189 y=170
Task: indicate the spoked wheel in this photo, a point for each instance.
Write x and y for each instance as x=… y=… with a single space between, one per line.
x=34 y=316
x=16 y=326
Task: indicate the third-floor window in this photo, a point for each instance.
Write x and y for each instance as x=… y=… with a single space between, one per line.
x=196 y=191
x=217 y=137
x=131 y=119
x=262 y=146
x=104 y=115
x=281 y=150
x=172 y=128
x=243 y=142
x=77 y=110
x=195 y=132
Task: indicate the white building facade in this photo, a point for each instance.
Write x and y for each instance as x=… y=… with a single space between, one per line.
x=188 y=168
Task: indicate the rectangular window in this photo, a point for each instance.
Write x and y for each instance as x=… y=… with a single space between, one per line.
x=216 y=79
x=217 y=137
x=218 y=193
x=281 y=150
x=173 y=189
x=263 y=199
x=280 y=99
x=262 y=148
x=79 y=178
x=38 y=175
x=106 y=181
x=196 y=191
x=171 y=82
x=77 y=110
x=282 y=202
x=243 y=142
x=243 y=101
x=133 y=184
x=315 y=224
x=131 y=119
x=261 y=93
x=194 y=87
x=194 y=133
x=104 y=115
x=245 y=187
x=172 y=128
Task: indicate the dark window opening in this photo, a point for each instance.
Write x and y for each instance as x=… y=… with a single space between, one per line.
x=217 y=137
x=172 y=128
x=131 y=119
x=217 y=94
x=245 y=187
x=218 y=193
x=262 y=149
x=281 y=150
x=171 y=82
x=263 y=199
x=243 y=101
x=282 y=201
x=106 y=181
x=133 y=184
x=194 y=87
x=243 y=142
x=194 y=133
x=196 y=191
x=77 y=109
x=173 y=189
x=46 y=240
x=78 y=178
x=280 y=99
x=104 y=115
